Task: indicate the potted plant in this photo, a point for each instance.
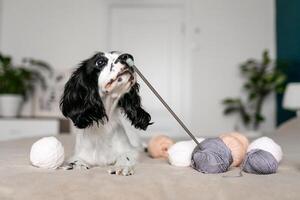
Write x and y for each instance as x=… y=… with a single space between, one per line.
x=18 y=82
x=262 y=78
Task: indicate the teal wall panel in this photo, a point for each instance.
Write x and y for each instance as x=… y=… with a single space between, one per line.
x=288 y=46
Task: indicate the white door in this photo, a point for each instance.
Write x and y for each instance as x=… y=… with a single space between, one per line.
x=154 y=36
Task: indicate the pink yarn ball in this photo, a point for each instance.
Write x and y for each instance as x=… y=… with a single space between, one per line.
x=237 y=148
x=158 y=146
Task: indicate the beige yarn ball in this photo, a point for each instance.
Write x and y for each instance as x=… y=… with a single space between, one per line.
x=242 y=138
x=237 y=148
x=158 y=146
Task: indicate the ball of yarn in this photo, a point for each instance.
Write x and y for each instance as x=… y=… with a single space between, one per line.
x=236 y=147
x=211 y=156
x=260 y=162
x=242 y=138
x=263 y=156
x=47 y=153
x=158 y=146
x=267 y=144
x=181 y=152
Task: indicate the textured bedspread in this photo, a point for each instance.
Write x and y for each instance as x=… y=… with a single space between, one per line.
x=154 y=179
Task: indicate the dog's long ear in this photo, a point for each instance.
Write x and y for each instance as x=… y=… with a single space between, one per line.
x=131 y=105
x=81 y=101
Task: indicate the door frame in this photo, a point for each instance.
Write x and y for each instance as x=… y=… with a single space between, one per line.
x=187 y=23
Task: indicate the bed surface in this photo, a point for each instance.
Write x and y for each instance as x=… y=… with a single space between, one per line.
x=153 y=179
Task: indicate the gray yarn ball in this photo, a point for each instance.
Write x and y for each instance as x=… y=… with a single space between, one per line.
x=258 y=161
x=211 y=156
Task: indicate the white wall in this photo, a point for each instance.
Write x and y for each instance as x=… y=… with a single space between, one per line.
x=220 y=35
x=229 y=32
x=1 y=16
x=61 y=32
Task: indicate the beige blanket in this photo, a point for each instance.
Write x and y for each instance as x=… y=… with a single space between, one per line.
x=154 y=179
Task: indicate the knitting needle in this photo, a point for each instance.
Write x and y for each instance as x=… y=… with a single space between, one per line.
x=130 y=63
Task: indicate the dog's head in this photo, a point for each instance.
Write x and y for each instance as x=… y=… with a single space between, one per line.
x=102 y=75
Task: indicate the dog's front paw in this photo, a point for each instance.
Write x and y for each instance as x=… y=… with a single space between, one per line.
x=121 y=170
x=76 y=164
x=124 y=164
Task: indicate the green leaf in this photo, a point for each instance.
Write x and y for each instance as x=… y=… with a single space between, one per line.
x=259 y=117
x=247 y=86
x=230 y=110
x=266 y=58
x=262 y=78
x=280 y=79
x=252 y=96
x=20 y=79
x=246 y=118
x=230 y=101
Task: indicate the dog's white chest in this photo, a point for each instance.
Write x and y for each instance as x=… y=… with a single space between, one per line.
x=102 y=145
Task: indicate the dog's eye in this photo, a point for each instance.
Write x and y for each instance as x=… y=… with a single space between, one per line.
x=100 y=62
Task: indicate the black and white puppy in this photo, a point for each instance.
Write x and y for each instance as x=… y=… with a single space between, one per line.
x=99 y=91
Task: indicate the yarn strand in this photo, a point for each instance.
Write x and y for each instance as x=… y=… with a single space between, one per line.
x=164 y=103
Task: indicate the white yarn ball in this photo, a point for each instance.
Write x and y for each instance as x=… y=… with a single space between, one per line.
x=180 y=154
x=47 y=153
x=267 y=144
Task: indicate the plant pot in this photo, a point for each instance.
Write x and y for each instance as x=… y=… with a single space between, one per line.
x=10 y=105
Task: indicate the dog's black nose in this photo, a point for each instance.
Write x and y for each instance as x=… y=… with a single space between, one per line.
x=123 y=58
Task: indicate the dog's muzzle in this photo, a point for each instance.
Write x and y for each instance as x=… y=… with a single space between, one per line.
x=126 y=70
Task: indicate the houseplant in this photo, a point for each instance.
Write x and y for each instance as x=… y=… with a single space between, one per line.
x=262 y=79
x=17 y=83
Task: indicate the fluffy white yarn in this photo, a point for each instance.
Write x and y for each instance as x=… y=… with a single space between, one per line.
x=47 y=153
x=267 y=144
x=180 y=154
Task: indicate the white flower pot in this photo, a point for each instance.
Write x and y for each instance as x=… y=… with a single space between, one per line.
x=10 y=105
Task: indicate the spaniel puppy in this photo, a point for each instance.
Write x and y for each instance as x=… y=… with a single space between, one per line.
x=99 y=91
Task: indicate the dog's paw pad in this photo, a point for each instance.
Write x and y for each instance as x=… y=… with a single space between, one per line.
x=123 y=171
x=69 y=166
x=111 y=171
x=76 y=165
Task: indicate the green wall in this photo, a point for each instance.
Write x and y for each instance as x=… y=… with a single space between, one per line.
x=288 y=46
